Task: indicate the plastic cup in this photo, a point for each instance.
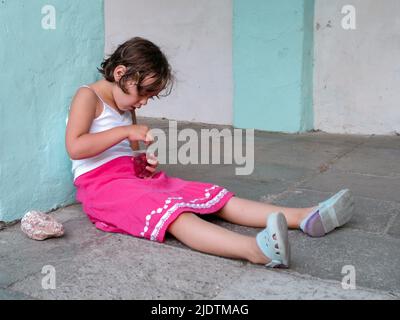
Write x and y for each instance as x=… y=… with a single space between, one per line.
x=140 y=163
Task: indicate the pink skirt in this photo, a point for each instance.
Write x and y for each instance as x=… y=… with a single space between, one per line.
x=115 y=200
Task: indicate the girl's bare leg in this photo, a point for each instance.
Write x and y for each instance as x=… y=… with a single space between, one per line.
x=254 y=214
x=207 y=237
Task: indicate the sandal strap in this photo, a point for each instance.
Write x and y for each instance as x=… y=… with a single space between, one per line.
x=273 y=241
x=267 y=245
x=274 y=263
x=328 y=216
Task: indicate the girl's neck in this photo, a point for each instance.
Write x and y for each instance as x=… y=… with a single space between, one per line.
x=105 y=89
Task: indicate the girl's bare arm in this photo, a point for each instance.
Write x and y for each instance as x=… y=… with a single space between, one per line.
x=79 y=142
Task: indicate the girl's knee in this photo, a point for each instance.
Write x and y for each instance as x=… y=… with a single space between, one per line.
x=180 y=221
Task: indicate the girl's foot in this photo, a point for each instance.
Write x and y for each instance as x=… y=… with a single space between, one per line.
x=329 y=215
x=273 y=241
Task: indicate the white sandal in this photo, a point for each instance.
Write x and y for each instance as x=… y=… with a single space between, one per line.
x=274 y=242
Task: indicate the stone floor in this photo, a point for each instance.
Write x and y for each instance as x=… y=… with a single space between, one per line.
x=291 y=170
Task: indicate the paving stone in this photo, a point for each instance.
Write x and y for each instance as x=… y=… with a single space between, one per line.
x=386 y=142
x=374 y=257
x=260 y=284
x=330 y=138
x=394 y=229
x=13 y=295
x=371 y=161
x=129 y=268
x=382 y=188
x=265 y=172
x=305 y=154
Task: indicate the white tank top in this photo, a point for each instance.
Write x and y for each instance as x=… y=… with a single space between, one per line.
x=109 y=118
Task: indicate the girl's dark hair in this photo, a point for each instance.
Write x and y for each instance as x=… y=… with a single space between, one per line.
x=142 y=58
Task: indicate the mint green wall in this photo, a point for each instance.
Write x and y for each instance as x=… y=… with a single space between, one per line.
x=40 y=71
x=307 y=84
x=272 y=63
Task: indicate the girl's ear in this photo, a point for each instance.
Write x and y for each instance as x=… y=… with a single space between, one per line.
x=119 y=71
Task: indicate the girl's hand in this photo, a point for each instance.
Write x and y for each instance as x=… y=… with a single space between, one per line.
x=136 y=132
x=153 y=163
x=151 y=167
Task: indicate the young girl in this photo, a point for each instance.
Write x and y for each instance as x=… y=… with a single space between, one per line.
x=100 y=136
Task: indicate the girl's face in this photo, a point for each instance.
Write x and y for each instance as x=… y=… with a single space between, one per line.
x=133 y=100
